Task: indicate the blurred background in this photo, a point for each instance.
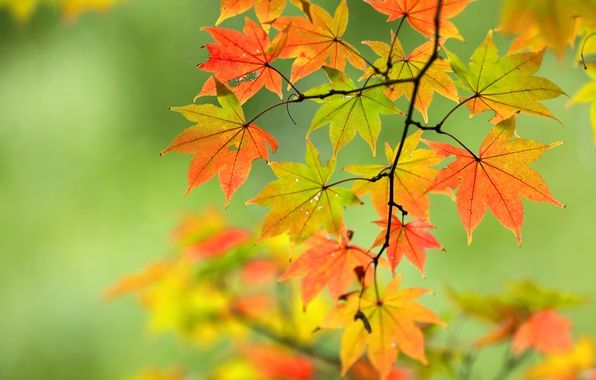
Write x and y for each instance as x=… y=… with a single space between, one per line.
x=86 y=199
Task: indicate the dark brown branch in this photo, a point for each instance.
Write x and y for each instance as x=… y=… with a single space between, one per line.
x=372 y=179
x=409 y=121
x=302 y=97
x=438 y=127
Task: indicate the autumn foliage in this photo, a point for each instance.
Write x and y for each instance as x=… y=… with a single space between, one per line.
x=224 y=281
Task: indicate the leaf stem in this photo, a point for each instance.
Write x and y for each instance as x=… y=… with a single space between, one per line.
x=372 y=179
x=372 y=65
x=285 y=78
x=444 y=119
x=393 y=41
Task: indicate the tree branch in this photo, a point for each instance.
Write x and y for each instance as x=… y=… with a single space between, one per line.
x=409 y=121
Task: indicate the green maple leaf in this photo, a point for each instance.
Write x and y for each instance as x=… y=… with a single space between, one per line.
x=347 y=114
x=505 y=85
x=302 y=200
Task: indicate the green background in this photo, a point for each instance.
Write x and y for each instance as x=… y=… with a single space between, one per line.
x=86 y=199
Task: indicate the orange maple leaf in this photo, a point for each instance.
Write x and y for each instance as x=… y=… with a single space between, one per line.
x=218 y=244
x=267 y=10
x=497 y=178
x=220 y=142
x=277 y=363
x=413 y=175
x=137 y=282
x=390 y=327
x=327 y=262
x=421 y=14
x=410 y=239
x=316 y=42
x=545 y=331
x=408 y=66
x=243 y=61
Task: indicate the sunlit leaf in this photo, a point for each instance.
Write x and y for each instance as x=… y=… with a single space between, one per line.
x=497 y=178
x=220 y=142
x=317 y=42
x=392 y=327
x=421 y=14
x=347 y=114
x=413 y=175
x=301 y=199
x=243 y=61
x=408 y=66
x=505 y=85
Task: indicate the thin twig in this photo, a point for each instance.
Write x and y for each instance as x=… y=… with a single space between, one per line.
x=393 y=40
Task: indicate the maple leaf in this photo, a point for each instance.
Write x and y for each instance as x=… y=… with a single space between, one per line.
x=497 y=178
x=587 y=94
x=348 y=114
x=505 y=85
x=267 y=10
x=220 y=142
x=410 y=239
x=545 y=331
x=218 y=244
x=243 y=61
x=390 y=327
x=258 y=272
x=408 y=66
x=524 y=313
x=413 y=175
x=139 y=281
x=421 y=14
x=302 y=199
x=316 y=42
x=546 y=23
x=277 y=363
x=327 y=262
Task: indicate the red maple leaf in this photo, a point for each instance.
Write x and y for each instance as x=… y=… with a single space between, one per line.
x=243 y=61
x=410 y=239
x=421 y=14
x=545 y=331
x=327 y=262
